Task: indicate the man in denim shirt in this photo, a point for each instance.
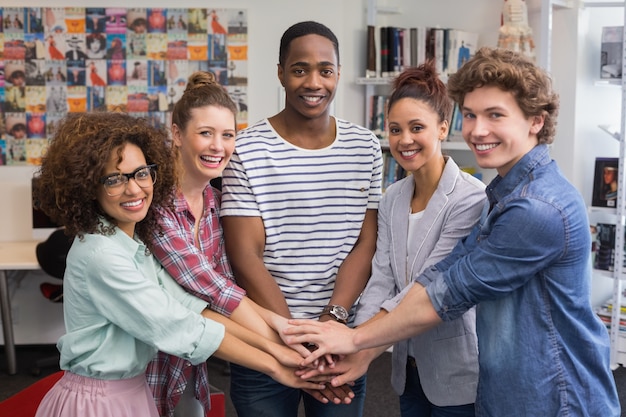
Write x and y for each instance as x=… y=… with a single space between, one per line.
x=542 y=350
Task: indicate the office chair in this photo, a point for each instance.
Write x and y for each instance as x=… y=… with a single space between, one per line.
x=51 y=255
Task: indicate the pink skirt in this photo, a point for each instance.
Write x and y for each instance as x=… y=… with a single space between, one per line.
x=79 y=396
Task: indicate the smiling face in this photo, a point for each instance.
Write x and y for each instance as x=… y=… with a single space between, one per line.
x=132 y=205
x=95 y=45
x=206 y=144
x=309 y=75
x=415 y=134
x=496 y=129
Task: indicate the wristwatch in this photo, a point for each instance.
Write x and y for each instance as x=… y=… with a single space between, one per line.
x=337 y=312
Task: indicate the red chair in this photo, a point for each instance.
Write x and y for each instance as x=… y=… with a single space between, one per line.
x=218 y=403
x=25 y=402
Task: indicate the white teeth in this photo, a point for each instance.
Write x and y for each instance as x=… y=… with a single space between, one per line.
x=312 y=99
x=132 y=203
x=486 y=146
x=408 y=153
x=214 y=159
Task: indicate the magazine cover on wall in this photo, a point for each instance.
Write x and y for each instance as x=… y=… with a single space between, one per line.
x=55 y=60
x=605 y=182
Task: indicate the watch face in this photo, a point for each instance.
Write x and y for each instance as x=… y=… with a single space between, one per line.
x=339 y=312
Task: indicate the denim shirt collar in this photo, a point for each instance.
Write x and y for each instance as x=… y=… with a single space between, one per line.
x=503 y=186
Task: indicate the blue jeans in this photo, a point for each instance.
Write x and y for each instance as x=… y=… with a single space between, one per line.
x=255 y=394
x=413 y=402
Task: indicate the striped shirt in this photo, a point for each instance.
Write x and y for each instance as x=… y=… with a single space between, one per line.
x=312 y=203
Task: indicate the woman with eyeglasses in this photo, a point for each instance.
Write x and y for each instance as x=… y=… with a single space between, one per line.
x=102 y=178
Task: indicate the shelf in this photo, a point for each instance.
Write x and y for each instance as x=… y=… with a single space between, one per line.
x=374 y=80
x=455 y=146
x=446 y=145
x=611 y=82
x=388 y=10
x=603 y=273
x=603 y=214
x=603 y=4
x=613 y=131
x=562 y=4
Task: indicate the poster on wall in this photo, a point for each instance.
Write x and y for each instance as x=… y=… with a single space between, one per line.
x=56 y=60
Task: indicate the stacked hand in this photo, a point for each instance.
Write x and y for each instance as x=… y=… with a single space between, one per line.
x=334 y=358
x=317 y=370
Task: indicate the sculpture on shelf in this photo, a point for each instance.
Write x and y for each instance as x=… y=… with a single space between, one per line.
x=515 y=33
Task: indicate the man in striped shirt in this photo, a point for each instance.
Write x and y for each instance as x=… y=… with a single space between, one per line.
x=299 y=207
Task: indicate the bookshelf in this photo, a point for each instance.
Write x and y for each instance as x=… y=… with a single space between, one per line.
x=615 y=318
x=380 y=86
x=618 y=338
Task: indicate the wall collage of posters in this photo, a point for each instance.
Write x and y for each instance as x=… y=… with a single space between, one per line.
x=55 y=60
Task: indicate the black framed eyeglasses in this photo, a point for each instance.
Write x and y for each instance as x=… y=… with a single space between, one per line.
x=115 y=184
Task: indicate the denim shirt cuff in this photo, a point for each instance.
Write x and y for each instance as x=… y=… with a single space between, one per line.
x=447 y=308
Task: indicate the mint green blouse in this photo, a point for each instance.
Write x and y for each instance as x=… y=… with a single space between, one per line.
x=121 y=306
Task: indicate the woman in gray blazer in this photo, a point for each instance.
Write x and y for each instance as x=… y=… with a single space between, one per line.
x=420 y=219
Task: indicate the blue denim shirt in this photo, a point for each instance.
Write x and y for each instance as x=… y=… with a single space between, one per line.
x=542 y=349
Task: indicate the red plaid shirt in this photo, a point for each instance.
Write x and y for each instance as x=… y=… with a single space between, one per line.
x=204 y=272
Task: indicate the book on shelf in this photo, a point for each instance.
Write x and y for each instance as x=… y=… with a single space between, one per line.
x=392 y=171
x=603 y=246
x=436 y=47
x=371 y=52
x=397 y=38
x=384 y=53
x=462 y=46
x=611 y=47
x=398 y=48
x=406 y=48
x=605 y=182
x=456 y=125
x=377 y=120
x=604 y=313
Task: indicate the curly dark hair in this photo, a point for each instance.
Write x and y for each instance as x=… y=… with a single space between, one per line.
x=69 y=176
x=422 y=83
x=531 y=86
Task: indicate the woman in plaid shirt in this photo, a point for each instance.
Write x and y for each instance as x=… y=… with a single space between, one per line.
x=191 y=247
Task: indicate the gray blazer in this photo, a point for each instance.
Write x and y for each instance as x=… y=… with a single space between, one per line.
x=447 y=355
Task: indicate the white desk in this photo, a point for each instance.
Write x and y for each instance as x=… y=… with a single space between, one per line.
x=13 y=256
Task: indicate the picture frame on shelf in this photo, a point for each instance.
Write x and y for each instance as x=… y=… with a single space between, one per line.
x=605 y=182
